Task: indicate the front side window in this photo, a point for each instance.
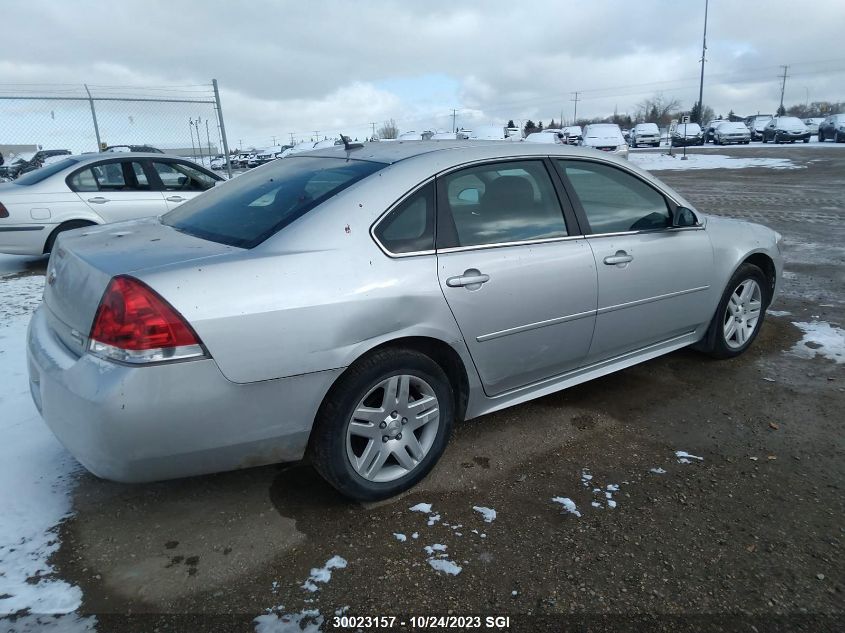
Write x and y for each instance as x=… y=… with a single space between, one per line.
x=247 y=210
x=181 y=177
x=615 y=201
x=410 y=226
x=503 y=202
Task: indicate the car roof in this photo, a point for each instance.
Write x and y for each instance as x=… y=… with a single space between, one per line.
x=88 y=158
x=447 y=153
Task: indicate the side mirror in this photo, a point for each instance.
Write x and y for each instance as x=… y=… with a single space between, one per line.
x=683 y=217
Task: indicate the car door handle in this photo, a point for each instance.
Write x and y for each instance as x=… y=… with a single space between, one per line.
x=621 y=257
x=470 y=278
x=98 y=200
x=175 y=199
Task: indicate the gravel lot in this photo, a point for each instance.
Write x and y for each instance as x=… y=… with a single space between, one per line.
x=749 y=534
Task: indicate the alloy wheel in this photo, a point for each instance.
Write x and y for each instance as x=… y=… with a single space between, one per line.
x=392 y=428
x=742 y=313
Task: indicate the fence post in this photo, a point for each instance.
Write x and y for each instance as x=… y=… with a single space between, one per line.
x=222 y=127
x=94 y=116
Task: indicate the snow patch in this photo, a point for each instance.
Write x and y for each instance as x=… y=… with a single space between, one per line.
x=658 y=162
x=446 y=566
x=820 y=339
x=421 y=507
x=778 y=313
x=488 y=514
x=306 y=621
x=657 y=471
x=324 y=574
x=400 y=537
x=568 y=505
x=37 y=477
x=684 y=457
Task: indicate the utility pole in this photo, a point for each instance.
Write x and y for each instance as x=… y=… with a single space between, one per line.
x=291 y=138
x=454 y=125
x=222 y=127
x=274 y=141
x=373 y=123
x=575 y=114
x=782 y=88
x=94 y=116
x=701 y=83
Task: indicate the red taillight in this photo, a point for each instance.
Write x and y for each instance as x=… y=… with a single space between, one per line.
x=134 y=318
x=4 y=212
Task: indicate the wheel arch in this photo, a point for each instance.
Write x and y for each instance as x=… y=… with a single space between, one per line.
x=66 y=225
x=767 y=265
x=441 y=352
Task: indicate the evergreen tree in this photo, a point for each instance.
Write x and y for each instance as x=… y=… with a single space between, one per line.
x=510 y=123
x=529 y=128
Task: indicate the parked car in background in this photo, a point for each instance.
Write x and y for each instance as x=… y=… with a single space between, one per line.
x=756 y=124
x=241 y=159
x=14 y=164
x=93 y=189
x=411 y=135
x=606 y=137
x=687 y=134
x=729 y=132
x=813 y=124
x=133 y=148
x=513 y=133
x=786 y=129
x=178 y=348
x=542 y=137
x=488 y=133
x=710 y=129
x=833 y=128
x=218 y=162
x=572 y=134
x=645 y=134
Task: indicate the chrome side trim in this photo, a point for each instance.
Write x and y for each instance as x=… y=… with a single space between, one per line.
x=548 y=240
x=671 y=229
x=638 y=302
x=534 y=326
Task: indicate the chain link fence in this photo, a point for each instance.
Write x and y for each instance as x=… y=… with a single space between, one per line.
x=184 y=121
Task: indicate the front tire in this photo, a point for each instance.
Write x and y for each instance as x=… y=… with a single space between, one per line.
x=384 y=424
x=740 y=314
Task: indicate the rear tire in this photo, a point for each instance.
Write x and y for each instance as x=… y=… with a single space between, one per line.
x=734 y=313
x=67 y=226
x=350 y=451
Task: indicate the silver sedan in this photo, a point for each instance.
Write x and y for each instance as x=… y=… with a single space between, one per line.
x=353 y=303
x=93 y=189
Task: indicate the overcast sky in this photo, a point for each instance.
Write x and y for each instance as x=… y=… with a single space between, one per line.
x=337 y=66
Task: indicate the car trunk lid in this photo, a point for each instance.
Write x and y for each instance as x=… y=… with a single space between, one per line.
x=85 y=260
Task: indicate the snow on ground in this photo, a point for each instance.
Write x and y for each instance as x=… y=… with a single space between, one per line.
x=276 y=620
x=324 y=574
x=489 y=514
x=657 y=471
x=400 y=537
x=684 y=457
x=778 y=313
x=822 y=339
x=439 y=560
x=36 y=480
x=568 y=505
x=421 y=507
x=657 y=162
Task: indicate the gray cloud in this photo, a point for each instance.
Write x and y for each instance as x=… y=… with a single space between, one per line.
x=303 y=66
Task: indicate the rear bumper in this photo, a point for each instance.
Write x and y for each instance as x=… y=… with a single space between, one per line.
x=24 y=239
x=135 y=424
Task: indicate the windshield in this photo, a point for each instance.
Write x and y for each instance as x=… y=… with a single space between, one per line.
x=247 y=210
x=646 y=127
x=688 y=128
x=732 y=127
x=42 y=173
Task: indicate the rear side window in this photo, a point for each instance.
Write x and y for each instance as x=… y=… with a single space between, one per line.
x=41 y=173
x=247 y=210
x=410 y=226
x=615 y=201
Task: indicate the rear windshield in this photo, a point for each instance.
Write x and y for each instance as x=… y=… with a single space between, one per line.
x=248 y=209
x=37 y=175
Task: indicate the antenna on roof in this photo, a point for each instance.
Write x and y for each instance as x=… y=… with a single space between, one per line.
x=348 y=145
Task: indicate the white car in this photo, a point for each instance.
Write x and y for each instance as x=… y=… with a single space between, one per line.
x=218 y=162
x=606 y=137
x=488 y=133
x=813 y=124
x=645 y=134
x=410 y=136
x=572 y=134
x=729 y=132
x=93 y=189
x=542 y=137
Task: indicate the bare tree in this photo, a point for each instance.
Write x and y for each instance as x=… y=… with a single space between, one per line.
x=657 y=109
x=389 y=130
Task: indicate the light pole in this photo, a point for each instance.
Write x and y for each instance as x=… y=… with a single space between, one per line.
x=701 y=83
